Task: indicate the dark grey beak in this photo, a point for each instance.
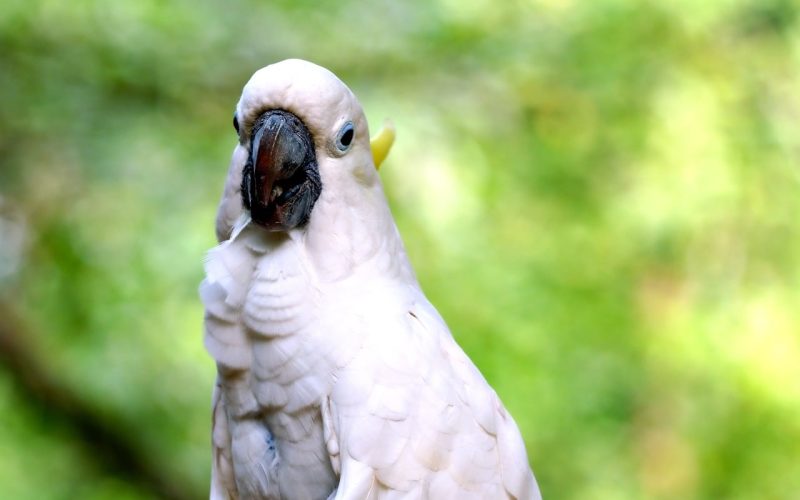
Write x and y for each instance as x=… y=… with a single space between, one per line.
x=280 y=182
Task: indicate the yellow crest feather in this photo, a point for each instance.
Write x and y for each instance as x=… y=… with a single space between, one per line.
x=382 y=143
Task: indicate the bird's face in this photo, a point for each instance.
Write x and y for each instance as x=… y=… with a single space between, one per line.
x=305 y=133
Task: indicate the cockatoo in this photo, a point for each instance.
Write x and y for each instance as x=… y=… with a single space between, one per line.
x=337 y=379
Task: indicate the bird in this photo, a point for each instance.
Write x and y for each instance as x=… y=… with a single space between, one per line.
x=336 y=377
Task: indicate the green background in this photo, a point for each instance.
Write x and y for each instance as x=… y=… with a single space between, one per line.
x=601 y=198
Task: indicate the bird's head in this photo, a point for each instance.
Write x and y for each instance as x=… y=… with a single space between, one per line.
x=304 y=132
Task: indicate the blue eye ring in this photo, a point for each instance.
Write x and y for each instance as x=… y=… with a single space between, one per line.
x=344 y=139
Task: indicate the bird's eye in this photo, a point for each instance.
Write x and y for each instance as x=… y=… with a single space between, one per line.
x=235 y=123
x=345 y=137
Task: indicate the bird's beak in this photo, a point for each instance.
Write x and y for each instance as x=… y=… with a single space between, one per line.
x=280 y=182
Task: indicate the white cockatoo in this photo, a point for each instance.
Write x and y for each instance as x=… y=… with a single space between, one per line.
x=337 y=378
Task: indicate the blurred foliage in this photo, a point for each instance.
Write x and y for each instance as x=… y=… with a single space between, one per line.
x=601 y=198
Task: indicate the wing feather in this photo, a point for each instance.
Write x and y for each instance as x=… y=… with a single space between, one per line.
x=417 y=411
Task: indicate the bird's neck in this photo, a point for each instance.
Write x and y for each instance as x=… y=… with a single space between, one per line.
x=354 y=236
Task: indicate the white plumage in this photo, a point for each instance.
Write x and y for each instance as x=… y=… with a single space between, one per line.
x=336 y=377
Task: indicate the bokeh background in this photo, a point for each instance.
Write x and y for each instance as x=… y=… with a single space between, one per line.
x=602 y=199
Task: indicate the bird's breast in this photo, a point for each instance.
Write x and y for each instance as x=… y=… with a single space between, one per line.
x=280 y=314
x=289 y=374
